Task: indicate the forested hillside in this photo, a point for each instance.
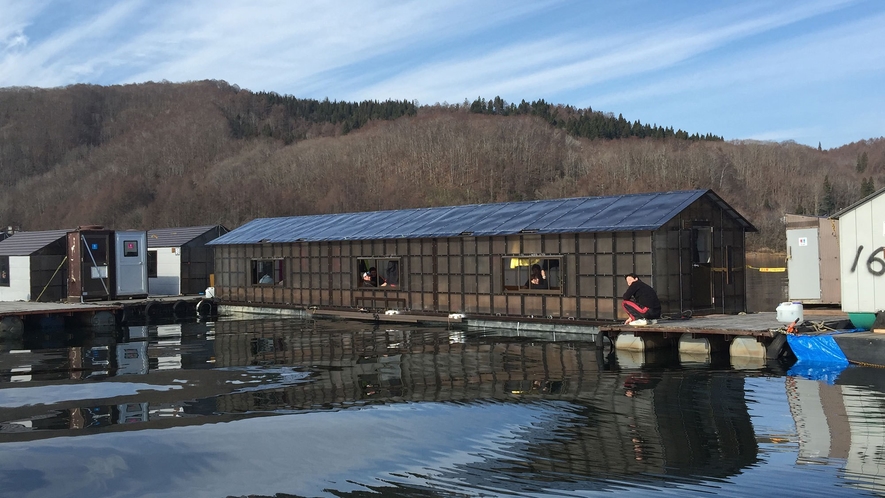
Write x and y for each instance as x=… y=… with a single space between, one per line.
x=162 y=155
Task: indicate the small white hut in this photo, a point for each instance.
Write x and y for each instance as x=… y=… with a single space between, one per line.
x=179 y=263
x=862 y=258
x=33 y=266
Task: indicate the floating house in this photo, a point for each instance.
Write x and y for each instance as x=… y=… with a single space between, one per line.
x=862 y=258
x=86 y=263
x=477 y=259
x=813 y=259
x=179 y=262
x=33 y=266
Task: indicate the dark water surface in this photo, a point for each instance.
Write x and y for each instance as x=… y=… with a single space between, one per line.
x=277 y=407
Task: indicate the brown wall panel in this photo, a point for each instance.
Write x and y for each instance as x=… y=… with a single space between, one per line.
x=456 y=274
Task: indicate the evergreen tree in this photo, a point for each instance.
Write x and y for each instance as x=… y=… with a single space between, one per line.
x=862 y=161
x=867 y=187
x=828 y=200
x=478 y=106
x=819 y=147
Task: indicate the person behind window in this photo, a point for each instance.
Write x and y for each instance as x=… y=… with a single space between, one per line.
x=392 y=273
x=372 y=279
x=266 y=279
x=640 y=302
x=536 y=279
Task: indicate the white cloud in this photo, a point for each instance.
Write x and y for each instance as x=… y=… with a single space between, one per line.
x=59 y=58
x=573 y=62
x=15 y=41
x=831 y=54
x=16 y=17
x=300 y=43
x=448 y=51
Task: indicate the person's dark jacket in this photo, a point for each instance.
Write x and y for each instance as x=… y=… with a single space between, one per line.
x=644 y=296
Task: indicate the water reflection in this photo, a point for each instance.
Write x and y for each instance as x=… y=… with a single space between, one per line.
x=841 y=424
x=308 y=408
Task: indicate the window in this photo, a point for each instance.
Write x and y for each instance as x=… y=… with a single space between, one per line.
x=701 y=244
x=152 y=264
x=130 y=248
x=4 y=271
x=267 y=271
x=533 y=274
x=379 y=272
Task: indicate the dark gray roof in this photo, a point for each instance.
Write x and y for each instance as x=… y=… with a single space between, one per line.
x=27 y=243
x=177 y=237
x=633 y=212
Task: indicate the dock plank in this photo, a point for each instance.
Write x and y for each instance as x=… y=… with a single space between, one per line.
x=756 y=324
x=381 y=317
x=21 y=308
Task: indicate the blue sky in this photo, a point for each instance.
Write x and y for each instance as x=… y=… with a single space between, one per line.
x=806 y=70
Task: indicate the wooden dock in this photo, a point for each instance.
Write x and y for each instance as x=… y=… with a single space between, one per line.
x=754 y=334
x=17 y=317
x=385 y=318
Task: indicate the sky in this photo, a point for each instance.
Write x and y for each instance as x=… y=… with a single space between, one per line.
x=809 y=71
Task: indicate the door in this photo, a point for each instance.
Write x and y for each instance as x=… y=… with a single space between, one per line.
x=131 y=263
x=803 y=264
x=96 y=258
x=701 y=267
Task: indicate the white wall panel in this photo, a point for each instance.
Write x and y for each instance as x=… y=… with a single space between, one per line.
x=168 y=279
x=861 y=233
x=19 y=280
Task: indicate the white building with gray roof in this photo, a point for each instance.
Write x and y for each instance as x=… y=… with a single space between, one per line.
x=33 y=266
x=179 y=263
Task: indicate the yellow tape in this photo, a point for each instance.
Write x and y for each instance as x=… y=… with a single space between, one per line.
x=768 y=270
x=763 y=270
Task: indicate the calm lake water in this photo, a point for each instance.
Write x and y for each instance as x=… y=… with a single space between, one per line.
x=285 y=407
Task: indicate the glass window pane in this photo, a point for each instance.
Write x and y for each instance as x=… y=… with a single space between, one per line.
x=379 y=272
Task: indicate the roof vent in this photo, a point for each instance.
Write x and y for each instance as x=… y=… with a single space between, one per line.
x=466 y=234
x=529 y=230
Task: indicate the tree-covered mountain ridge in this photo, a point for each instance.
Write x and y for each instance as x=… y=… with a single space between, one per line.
x=159 y=155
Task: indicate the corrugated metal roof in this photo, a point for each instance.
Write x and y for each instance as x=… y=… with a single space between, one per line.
x=177 y=237
x=633 y=212
x=27 y=243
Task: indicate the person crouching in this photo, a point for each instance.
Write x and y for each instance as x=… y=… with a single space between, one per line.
x=640 y=302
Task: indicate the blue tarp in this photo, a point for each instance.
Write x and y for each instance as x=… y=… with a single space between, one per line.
x=818 y=357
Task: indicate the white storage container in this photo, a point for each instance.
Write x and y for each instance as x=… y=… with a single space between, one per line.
x=789 y=312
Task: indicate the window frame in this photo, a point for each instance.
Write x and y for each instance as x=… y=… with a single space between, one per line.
x=152 y=255
x=258 y=267
x=513 y=278
x=363 y=263
x=127 y=253
x=4 y=266
x=702 y=245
